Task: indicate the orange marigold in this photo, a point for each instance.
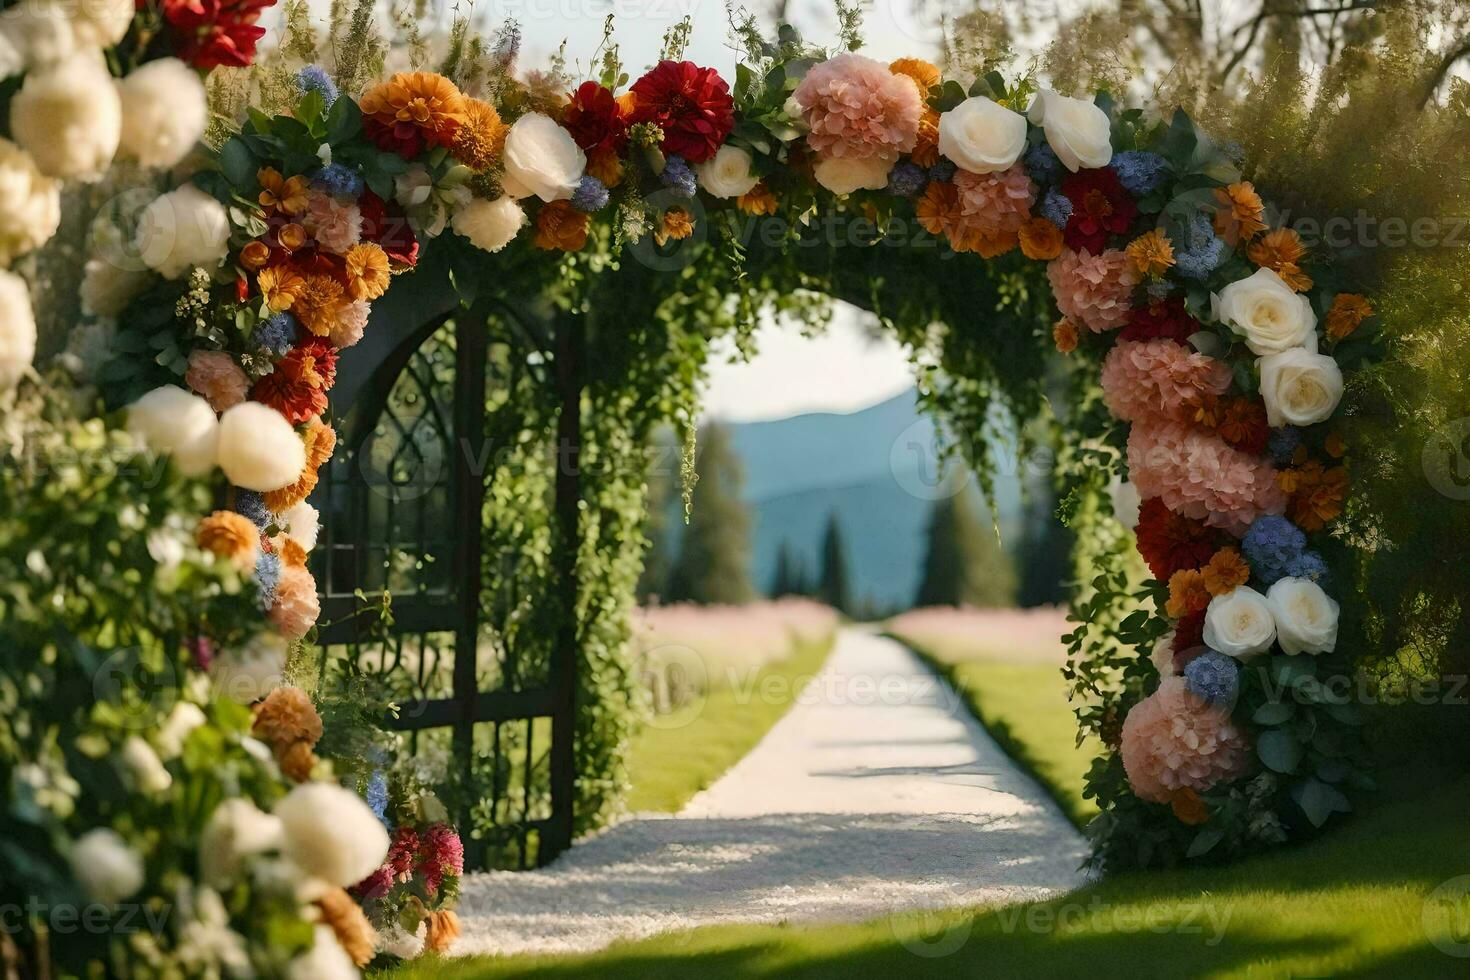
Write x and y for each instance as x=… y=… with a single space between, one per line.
x=1315 y=493
x=925 y=74
x=481 y=137
x=415 y=103
x=938 y=208
x=280 y=287
x=758 y=200
x=1225 y=571
x=561 y=226
x=603 y=163
x=367 y=269
x=677 y=224
x=1239 y=218
x=230 y=535
x=1188 y=807
x=1040 y=240
x=1187 y=593
x=1151 y=253
x=1064 y=334
x=1348 y=312
x=316 y=305
x=986 y=246
x=278 y=193
x=1281 y=251
x=286 y=716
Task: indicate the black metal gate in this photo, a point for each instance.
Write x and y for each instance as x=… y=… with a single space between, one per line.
x=488 y=716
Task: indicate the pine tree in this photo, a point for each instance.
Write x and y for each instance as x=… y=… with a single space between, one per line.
x=714 y=556
x=658 y=559
x=833 y=587
x=783 y=582
x=1046 y=551
x=964 y=564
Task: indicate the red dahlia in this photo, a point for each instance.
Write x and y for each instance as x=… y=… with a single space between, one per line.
x=692 y=106
x=1100 y=207
x=1161 y=319
x=1189 y=638
x=298 y=387
x=388 y=229
x=214 y=32
x=596 y=120
x=1241 y=422
x=1169 y=542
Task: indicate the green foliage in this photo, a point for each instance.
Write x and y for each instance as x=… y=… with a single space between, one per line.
x=833 y=581
x=714 y=552
x=964 y=564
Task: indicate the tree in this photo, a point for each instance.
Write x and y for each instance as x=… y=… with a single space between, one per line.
x=1046 y=551
x=658 y=560
x=786 y=580
x=833 y=586
x=714 y=556
x=964 y=564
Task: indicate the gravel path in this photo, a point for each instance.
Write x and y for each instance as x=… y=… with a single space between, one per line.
x=876 y=794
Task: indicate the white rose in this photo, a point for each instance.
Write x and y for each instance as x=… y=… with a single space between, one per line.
x=164 y=112
x=69 y=118
x=41 y=32
x=30 y=204
x=302 y=523
x=102 y=23
x=183 y=229
x=1125 y=500
x=181 y=721
x=235 y=830
x=1239 y=624
x=258 y=448
x=1268 y=313
x=490 y=225
x=843 y=175
x=17 y=329
x=326 y=960
x=982 y=136
x=247 y=674
x=1079 y=132
x=172 y=421
x=1306 y=617
x=727 y=173
x=541 y=158
x=1299 y=387
x=147 y=769
x=1162 y=655
x=106 y=867
x=331 y=833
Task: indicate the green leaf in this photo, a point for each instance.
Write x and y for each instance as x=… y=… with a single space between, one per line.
x=237 y=163
x=1319 y=800
x=1279 y=750
x=1203 y=842
x=344 y=121
x=1273 y=713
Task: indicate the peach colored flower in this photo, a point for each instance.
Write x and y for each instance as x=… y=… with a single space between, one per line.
x=351 y=321
x=1093 y=290
x=336 y=226
x=230 y=535
x=1198 y=475
x=215 y=375
x=1159 y=380
x=995 y=204
x=856 y=107
x=1172 y=740
x=296 y=608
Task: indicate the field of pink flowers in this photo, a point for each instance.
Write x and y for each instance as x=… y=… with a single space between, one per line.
x=958 y=634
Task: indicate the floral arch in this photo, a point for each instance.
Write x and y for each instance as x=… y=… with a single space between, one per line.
x=588 y=243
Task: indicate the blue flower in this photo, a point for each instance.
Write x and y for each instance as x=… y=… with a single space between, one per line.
x=942 y=171
x=1201 y=251
x=1308 y=565
x=906 y=180
x=314 y=78
x=591 y=195
x=1282 y=444
x=277 y=333
x=377 y=795
x=339 y=181
x=1056 y=208
x=1213 y=677
x=1042 y=164
x=1271 y=545
x=1139 y=171
x=251 y=505
x=268 y=577
x=679 y=176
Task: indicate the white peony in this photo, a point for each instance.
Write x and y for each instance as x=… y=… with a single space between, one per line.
x=101 y=23
x=69 y=118
x=1306 y=617
x=41 y=33
x=1268 y=313
x=331 y=834
x=1079 y=132
x=982 y=136
x=247 y=674
x=727 y=174
x=106 y=867
x=236 y=830
x=326 y=960
x=174 y=422
x=258 y=448
x=183 y=229
x=1239 y=624
x=146 y=768
x=843 y=175
x=1125 y=500
x=490 y=225
x=30 y=204
x=185 y=717
x=1299 y=387
x=542 y=159
x=302 y=523
x=164 y=112
x=17 y=329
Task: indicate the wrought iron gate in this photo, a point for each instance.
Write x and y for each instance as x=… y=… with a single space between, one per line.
x=402 y=511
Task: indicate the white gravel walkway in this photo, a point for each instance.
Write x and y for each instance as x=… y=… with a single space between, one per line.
x=877 y=793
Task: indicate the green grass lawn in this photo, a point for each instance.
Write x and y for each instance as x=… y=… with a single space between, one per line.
x=683 y=753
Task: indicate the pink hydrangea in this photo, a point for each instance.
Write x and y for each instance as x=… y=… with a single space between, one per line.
x=217 y=378
x=1093 y=290
x=1198 y=475
x=995 y=204
x=1159 y=380
x=296 y=607
x=1172 y=740
x=336 y=225
x=351 y=321
x=857 y=108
